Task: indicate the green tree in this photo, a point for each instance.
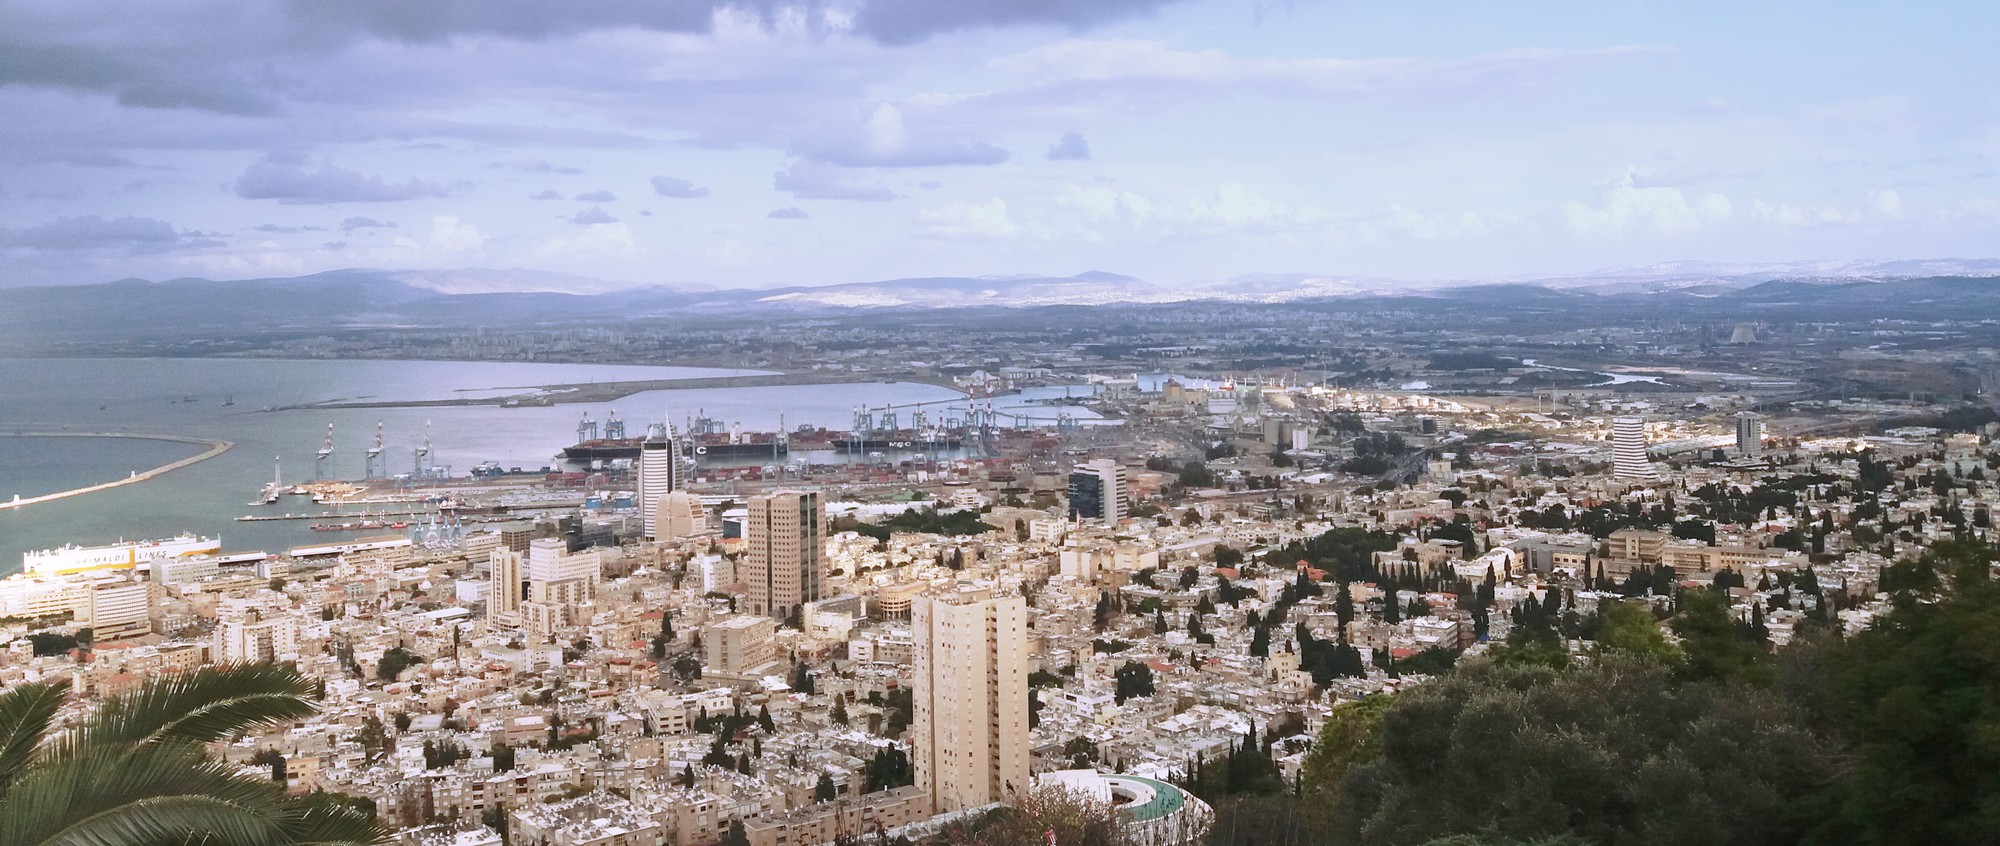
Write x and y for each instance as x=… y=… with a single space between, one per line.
x=1350 y=738
x=1710 y=640
x=1918 y=696
x=136 y=770
x=1616 y=750
x=825 y=790
x=735 y=836
x=1629 y=627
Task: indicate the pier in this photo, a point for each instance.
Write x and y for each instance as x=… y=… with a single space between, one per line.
x=597 y=392
x=215 y=448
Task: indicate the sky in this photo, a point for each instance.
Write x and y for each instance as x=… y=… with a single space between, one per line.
x=765 y=143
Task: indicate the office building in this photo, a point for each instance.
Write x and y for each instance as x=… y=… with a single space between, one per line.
x=659 y=475
x=739 y=644
x=120 y=609
x=784 y=559
x=1628 y=451
x=679 y=516
x=1749 y=433
x=969 y=733
x=1097 y=491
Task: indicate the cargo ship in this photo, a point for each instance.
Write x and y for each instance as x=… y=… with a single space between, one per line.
x=707 y=443
x=904 y=439
x=124 y=555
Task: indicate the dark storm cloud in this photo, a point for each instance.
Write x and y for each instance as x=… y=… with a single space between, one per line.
x=91 y=232
x=289 y=182
x=668 y=186
x=1071 y=148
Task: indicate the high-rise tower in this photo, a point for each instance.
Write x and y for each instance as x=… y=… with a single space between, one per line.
x=784 y=562
x=1749 y=433
x=1097 y=491
x=1628 y=451
x=969 y=732
x=659 y=475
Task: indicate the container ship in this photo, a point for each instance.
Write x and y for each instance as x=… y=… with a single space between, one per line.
x=902 y=439
x=707 y=440
x=124 y=555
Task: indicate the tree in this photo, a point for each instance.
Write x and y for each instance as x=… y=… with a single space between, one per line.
x=275 y=760
x=1711 y=643
x=1196 y=474
x=503 y=758
x=735 y=836
x=1131 y=679
x=890 y=768
x=824 y=790
x=839 y=714
x=136 y=770
x=1081 y=752
x=1917 y=696
x=393 y=662
x=764 y=719
x=1616 y=750
x=1629 y=627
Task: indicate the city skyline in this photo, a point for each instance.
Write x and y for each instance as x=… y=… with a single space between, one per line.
x=726 y=146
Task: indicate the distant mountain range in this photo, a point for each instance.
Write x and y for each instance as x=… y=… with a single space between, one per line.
x=353 y=299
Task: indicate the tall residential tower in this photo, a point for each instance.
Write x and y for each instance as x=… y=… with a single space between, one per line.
x=969 y=735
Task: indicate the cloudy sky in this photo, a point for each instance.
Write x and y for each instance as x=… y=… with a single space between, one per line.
x=766 y=143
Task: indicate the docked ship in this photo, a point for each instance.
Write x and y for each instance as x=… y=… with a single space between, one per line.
x=901 y=439
x=703 y=440
x=124 y=555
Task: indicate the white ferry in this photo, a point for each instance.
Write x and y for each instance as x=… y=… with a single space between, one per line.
x=71 y=559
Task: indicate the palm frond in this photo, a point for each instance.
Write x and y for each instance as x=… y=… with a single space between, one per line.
x=171 y=819
x=334 y=825
x=60 y=793
x=25 y=713
x=211 y=703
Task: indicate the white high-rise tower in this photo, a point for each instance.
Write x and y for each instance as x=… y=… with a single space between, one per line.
x=1749 y=433
x=659 y=475
x=1628 y=451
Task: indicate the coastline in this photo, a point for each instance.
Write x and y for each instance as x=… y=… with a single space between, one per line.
x=215 y=448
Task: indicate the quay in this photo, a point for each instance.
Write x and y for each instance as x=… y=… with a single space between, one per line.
x=215 y=448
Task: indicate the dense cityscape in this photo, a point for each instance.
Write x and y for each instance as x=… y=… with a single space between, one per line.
x=999 y=423
x=1204 y=621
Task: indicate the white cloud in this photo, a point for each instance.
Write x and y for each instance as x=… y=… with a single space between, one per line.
x=985 y=221
x=1626 y=208
x=810 y=180
x=451 y=235
x=1885 y=204
x=1126 y=60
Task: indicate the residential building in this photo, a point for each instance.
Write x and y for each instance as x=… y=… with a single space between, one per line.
x=969 y=735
